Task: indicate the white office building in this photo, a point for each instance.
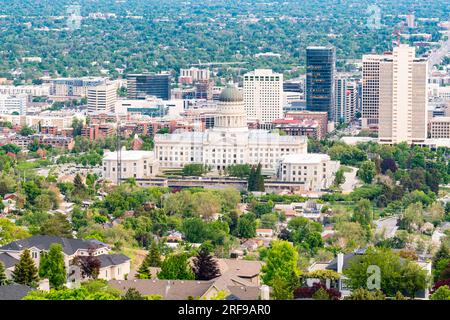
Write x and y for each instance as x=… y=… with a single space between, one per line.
x=315 y=170
x=102 y=98
x=13 y=104
x=134 y=163
x=263 y=95
x=229 y=142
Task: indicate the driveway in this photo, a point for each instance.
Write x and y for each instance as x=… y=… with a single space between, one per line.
x=351 y=181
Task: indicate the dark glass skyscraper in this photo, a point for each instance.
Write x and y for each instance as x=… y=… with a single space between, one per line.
x=320 y=67
x=151 y=84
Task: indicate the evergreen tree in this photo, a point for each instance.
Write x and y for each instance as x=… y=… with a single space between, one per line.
x=3 y=280
x=144 y=271
x=205 y=267
x=154 y=257
x=78 y=183
x=133 y=294
x=259 y=179
x=58 y=226
x=52 y=266
x=252 y=180
x=25 y=272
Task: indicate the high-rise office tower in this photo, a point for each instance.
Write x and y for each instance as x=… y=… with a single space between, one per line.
x=370 y=103
x=102 y=98
x=263 y=95
x=403 y=97
x=346 y=100
x=141 y=85
x=320 y=68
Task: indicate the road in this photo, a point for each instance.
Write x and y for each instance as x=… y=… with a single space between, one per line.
x=437 y=55
x=388 y=226
x=351 y=181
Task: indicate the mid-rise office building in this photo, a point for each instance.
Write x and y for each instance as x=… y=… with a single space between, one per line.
x=439 y=128
x=13 y=104
x=403 y=97
x=74 y=87
x=263 y=95
x=102 y=98
x=141 y=85
x=192 y=75
x=320 y=69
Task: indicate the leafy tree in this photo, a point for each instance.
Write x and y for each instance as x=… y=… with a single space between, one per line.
x=339 y=177
x=3 y=280
x=364 y=294
x=195 y=169
x=205 y=267
x=363 y=213
x=90 y=265
x=281 y=262
x=414 y=278
x=388 y=164
x=239 y=170
x=52 y=266
x=259 y=179
x=366 y=172
x=25 y=271
x=132 y=294
x=57 y=225
x=246 y=226
x=443 y=293
x=9 y=232
x=176 y=267
x=26 y=131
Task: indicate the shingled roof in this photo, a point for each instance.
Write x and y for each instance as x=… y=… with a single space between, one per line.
x=112 y=259
x=8 y=260
x=14 y=291
x=70 y=246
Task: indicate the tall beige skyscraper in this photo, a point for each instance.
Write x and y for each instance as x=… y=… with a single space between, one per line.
x=403 y=97
x=370 y=90
x=263 y=95
x=102 y=98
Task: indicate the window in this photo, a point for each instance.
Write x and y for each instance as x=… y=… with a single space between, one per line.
x=34 y=254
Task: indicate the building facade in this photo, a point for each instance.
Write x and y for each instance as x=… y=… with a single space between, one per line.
x=320 y=69
x=141 y=85
x=134 y=164
x=263 y=95
x=102 y=98
x=229 y=142
x=13 y=104
x=316 y=170
x=403 y=97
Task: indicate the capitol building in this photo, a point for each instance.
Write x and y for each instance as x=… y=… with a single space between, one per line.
x=229 y=142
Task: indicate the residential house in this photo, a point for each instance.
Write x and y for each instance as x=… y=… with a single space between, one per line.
x=113 y=266
x=266 y=233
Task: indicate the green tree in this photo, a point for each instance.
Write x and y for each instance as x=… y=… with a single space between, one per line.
x=3 y=280
x=414 y=278
x=205 y=267
x=132 y=294
x=154 y=256
x=281 y=261
x=25 y=271
x=57 y=225
x=442 y=293
x=9 y=232
x=339 y=177
x=364 y=294
x=363 y=213
x=246 y=226
x=367 y=171
x=26 y=131
x=52 y=266
x=176 y=267
x=259 y=179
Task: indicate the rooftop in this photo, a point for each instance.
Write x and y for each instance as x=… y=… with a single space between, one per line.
x=309 y=158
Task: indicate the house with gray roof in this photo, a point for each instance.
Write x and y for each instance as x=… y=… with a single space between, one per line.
x=14 y=291
x=113 y=266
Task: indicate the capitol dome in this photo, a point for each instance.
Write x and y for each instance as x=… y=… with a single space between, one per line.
x=231 y=94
